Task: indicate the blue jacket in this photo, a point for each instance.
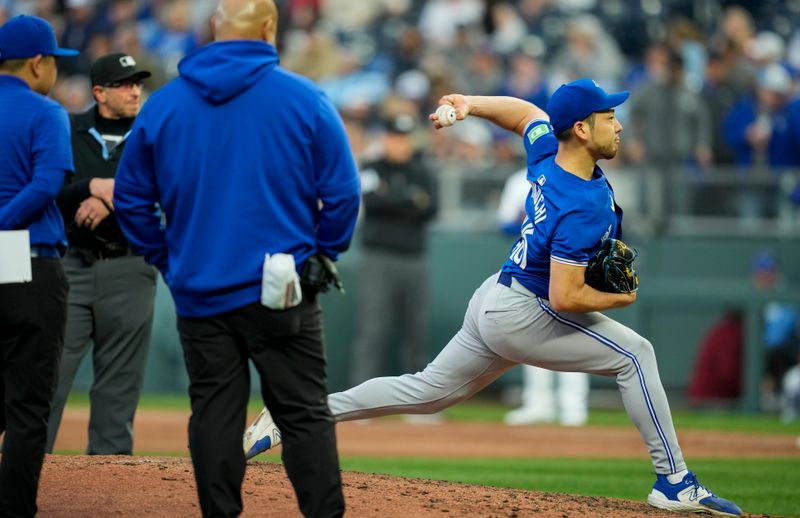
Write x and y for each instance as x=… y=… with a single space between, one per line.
x=35 y=157
x=244 y=158
x=783 y=149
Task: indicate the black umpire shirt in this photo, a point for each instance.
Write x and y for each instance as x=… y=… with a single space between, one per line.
x=392 y=221
x=97 y=145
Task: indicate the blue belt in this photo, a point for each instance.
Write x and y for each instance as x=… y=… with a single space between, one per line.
x=50 y=252
x=505 y=279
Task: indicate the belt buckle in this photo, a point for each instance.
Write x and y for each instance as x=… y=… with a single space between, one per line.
x=43 y=252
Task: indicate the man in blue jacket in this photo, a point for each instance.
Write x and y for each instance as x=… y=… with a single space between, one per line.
x=35 y=158
x=244 y=159
x=763 y=131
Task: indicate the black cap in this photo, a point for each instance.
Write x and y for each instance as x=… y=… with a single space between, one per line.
x=116 y=67
x=402 y=124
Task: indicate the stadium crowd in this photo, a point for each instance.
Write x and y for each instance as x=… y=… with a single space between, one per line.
x=713 y=81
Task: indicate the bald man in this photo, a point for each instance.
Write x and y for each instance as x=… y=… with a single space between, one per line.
x=239 y=153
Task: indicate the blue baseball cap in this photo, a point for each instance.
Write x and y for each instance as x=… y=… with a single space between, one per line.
x=28 y=36
x=577 y=100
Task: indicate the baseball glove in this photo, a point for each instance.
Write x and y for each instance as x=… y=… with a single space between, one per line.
x=611 y=269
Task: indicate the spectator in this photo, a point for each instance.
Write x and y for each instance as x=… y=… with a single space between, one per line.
x=399 y=202
x=687 y=40
x=246 y=159
x=589 y=52
x=717 y=373
x=671 y=129
x=441 y=20
x=671 y=123
x=719 y=95
x=782 y=339
x=81 y=28
x=112 y=291
x=765 y=49
x=790 y=398
x=733 y=36
x=170 y=34
x=73 y=93
x=764 y=131
x=525 y=79
x=34 y=160
x=781 y=334
x=507 y=28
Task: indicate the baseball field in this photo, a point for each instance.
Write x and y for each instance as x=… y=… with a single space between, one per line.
x=468 y=465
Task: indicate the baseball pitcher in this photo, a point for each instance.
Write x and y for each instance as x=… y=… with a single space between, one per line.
x=544 y=306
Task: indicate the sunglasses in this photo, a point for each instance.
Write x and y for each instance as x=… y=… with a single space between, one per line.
x=130 y=83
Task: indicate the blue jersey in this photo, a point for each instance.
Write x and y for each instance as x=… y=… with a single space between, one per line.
x=35 y=157
x=566 y=217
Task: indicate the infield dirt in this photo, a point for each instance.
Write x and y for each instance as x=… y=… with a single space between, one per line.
x=161 y=487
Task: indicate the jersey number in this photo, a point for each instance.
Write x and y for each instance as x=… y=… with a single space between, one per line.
x=520 y=252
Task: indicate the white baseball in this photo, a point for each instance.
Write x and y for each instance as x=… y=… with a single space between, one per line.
x=446 y=114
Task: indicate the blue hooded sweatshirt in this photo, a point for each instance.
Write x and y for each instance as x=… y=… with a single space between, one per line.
x=244 y=158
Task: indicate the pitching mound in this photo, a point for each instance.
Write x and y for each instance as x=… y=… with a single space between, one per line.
x=162 y=487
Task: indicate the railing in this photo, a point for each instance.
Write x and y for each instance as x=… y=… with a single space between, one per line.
x=674 y=200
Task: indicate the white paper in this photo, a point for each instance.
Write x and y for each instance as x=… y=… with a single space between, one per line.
x=15 y=256
x=280 y=284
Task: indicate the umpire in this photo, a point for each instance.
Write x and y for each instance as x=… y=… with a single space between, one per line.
x=246 y=159
x=35 y=157
x=112 y=291
x=399 y=202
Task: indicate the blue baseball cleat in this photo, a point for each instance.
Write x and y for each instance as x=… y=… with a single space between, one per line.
x=689 y=496
x=261 y=435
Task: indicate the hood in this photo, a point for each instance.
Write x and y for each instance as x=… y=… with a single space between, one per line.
x=221 y=71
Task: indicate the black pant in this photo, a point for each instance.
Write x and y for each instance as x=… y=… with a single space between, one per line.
x=287 y=350
x=32 y=319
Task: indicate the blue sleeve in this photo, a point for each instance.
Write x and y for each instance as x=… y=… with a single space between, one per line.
x=135 y=198
x=735 y=124
x=539 y=140
x=337 y=182
x=51 y=153
x=793 y=131
x=575 y=239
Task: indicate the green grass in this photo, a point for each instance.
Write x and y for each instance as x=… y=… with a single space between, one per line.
x=768 y=486
x=152 y=401
x=479 y=411
x=684 y=420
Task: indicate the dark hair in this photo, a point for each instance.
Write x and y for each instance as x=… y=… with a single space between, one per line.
x=566 y=135
x=13 y=65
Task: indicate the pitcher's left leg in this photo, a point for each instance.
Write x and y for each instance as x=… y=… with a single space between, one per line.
x=593 y=343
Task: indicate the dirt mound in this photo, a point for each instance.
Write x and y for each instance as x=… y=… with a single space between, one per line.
x=163 y=487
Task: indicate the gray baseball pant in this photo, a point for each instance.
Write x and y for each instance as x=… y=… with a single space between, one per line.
x=506 y=326
x=111 y=307
x=392 y=299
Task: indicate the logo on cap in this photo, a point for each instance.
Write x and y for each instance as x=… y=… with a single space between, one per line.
x=127 y=61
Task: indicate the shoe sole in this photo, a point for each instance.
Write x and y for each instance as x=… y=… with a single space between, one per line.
x=680 y=507
x=261 y=436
